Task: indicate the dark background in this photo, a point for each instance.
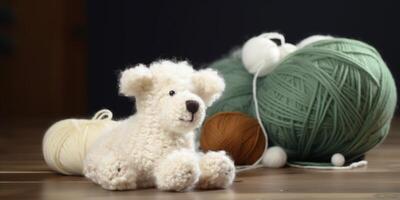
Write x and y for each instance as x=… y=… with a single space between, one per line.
x=80 y=46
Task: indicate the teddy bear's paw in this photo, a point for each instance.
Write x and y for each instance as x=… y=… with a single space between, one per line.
x=178 y=172
x=217 y=171
x=112 y=174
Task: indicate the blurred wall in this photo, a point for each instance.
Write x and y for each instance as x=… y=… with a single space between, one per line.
x=50 y=67
x=123 y=32
x=43 y=61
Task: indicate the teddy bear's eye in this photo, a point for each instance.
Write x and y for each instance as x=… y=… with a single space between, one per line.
x=171 y=93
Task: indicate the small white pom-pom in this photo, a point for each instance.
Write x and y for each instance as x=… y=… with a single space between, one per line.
x=338 y=160
x=312 y=39
x=260 y=52
x=275 y=157
x=286 y=49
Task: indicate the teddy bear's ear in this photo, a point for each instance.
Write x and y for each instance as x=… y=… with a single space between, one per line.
x=136 y=80
x=208 y=85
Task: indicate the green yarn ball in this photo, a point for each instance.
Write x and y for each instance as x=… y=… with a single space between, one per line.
x=332 y=96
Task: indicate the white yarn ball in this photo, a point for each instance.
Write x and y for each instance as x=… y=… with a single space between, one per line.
x=260 y=51
x=286 y=49
x=312 y=39
x=338 y=160
x=274 y=157
x=66 y=142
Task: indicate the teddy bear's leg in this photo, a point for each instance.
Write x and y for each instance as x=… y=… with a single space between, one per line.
x=179 y=171
x=217 y=171
x=110 y=171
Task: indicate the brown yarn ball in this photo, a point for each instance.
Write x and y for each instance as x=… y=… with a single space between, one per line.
x=237 y=134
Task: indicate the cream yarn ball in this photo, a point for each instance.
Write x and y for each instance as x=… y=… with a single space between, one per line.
x=66 y=142
x=261 y=51
x=274 y=157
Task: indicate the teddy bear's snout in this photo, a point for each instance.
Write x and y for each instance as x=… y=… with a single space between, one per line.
x=192 y=106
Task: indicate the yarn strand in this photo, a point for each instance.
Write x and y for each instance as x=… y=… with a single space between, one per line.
x=257 y=163
x=353 y=165
x=103 y=114
x=254 y=92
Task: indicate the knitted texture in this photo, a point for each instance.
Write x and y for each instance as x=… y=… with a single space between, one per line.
x=332 y=96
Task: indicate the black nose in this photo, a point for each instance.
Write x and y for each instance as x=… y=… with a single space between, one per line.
x=192 y=106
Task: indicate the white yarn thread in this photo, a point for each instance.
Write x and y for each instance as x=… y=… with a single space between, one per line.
x=353 y=165
x=66 y=142
x=256 y=164
x=103 y=114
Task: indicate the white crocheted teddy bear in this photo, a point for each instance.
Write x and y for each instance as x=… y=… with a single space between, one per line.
x=155 y=146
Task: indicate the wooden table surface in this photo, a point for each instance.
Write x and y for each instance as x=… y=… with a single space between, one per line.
x=24 y=175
